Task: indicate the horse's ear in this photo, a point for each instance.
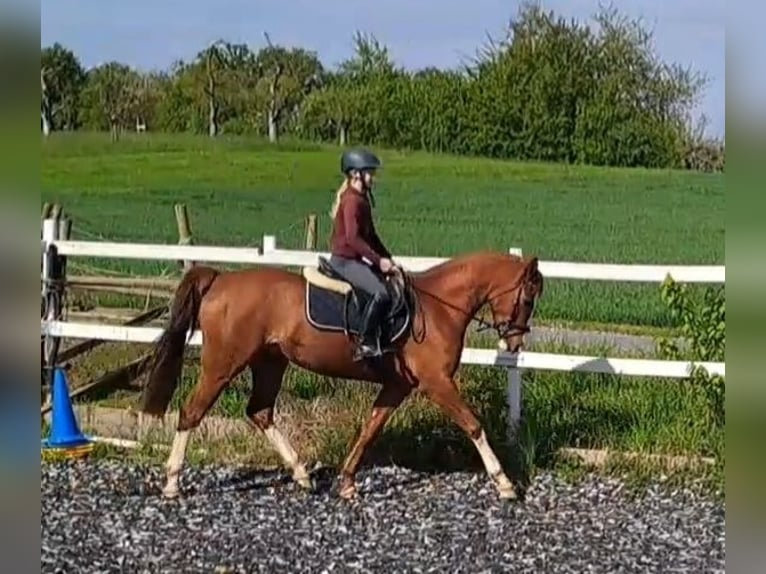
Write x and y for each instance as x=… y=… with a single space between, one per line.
x=532 y=265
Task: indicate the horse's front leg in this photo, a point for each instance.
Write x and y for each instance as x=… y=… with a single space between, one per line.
x=442 y=391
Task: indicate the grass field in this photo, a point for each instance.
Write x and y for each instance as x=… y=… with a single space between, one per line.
x=239 y=189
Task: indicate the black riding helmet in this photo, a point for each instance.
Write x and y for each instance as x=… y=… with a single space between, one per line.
x=360 y=159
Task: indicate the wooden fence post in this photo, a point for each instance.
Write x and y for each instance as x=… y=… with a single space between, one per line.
x=52 y=293
x=64 y=234
x=184 y=231
x=311 y=232
x=65 y=228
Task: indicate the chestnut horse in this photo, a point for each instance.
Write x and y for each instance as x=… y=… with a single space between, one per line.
x=258 y=318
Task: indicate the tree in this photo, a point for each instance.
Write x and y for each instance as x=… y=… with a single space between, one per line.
x=111 y=97
x=287 y=76
x=219 y=73
x=329 y=113
x=557 y=90
x=372 y=79
x=62 y=79
x=638 y=109
x=148 y=92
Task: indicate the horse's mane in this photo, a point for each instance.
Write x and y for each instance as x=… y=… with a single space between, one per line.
x=454 y=264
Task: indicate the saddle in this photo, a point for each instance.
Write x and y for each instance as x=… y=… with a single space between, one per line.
x=335 y=305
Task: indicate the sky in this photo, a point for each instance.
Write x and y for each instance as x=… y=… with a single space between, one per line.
x=151 y=34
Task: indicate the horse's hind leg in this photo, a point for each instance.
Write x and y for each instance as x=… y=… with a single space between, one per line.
x=217 y=370
x=268 y=372
x=390 y=396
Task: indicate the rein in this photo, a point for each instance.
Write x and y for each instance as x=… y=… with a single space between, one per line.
x=408 y=288
x=504 y=329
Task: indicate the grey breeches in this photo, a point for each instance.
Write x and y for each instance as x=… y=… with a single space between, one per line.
x=360 y=275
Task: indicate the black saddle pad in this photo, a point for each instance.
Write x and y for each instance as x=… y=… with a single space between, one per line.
x=331 y=311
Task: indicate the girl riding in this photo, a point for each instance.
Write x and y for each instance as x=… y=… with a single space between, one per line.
x=354 y=237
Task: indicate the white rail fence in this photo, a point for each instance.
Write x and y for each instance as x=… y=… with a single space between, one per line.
x=269 y=254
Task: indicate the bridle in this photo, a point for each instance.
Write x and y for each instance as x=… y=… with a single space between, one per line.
x=504 y=329
x=509 y=327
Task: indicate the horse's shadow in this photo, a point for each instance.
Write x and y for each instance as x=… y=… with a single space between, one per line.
x=325 y=478
x=253 y=479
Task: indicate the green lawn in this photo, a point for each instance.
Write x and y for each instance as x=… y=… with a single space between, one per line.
x=238 y=189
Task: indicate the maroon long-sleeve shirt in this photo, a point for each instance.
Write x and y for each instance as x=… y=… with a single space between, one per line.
x=354 y=235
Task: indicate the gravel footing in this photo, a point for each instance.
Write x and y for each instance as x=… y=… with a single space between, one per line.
x=105 y=516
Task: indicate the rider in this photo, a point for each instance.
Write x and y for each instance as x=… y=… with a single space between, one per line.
x=354 y=237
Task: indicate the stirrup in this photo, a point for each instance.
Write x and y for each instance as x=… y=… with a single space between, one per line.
x=361 y=353
x=368 y=350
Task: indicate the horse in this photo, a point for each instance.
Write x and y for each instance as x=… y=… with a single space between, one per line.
x=265 y=318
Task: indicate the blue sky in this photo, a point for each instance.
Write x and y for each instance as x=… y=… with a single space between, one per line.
x=152 y=34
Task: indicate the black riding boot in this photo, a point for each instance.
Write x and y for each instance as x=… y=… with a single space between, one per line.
x=370 y=329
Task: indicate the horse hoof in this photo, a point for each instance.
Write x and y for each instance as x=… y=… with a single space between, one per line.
x=305 y=482
x=508 y=493
x=169 y=493
x=348 y=492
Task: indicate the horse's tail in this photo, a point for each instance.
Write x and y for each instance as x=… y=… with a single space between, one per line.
x=166 y=360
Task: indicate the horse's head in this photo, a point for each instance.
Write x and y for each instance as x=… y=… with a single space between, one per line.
x=516 y=285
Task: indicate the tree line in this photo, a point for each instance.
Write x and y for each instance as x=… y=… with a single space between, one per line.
x=552 y=89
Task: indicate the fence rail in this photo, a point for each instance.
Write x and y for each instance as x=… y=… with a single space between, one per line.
x=470 y=356
x=269 y=254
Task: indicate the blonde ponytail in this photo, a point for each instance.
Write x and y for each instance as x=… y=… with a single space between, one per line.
x=338 y=196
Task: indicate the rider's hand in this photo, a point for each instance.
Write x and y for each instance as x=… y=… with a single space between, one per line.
x=386 y=265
